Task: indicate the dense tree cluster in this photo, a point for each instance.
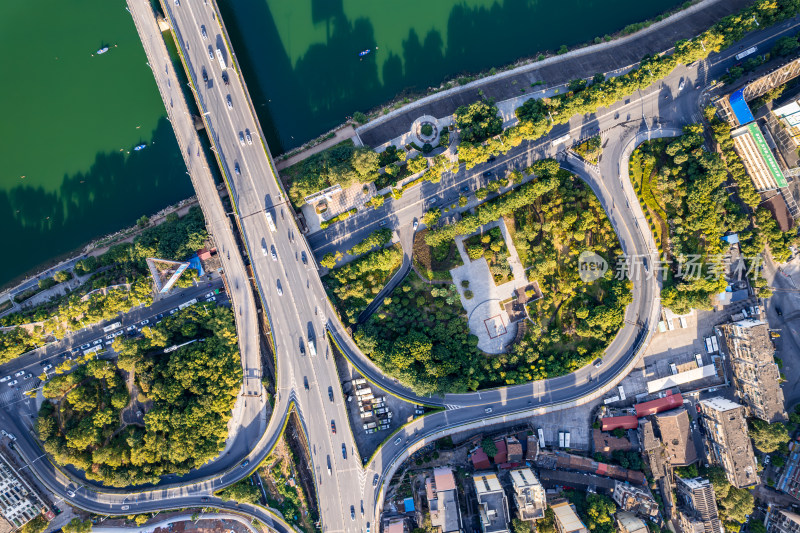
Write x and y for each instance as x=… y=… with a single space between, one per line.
x=590 y=149
x=243 y=491
x=768 y=437
x=500 y=206
x=343 y=164
x=491 y=246
x=378 y=238
x=596 y=510
x=123 y=269
x=538 y=116
x=734 y=505
x=354 y=285
x=188 y=394
x=575 y=320
x=421 y=337
x=479 y=121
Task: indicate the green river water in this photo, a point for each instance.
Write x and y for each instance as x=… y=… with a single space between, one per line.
x=301 y=62
x=71 y=119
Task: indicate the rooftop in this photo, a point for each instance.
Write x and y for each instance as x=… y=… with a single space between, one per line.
x=565 y=515
x=675 y=433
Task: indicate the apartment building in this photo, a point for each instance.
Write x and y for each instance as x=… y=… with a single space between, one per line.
x=730 y=443
x=756 y=377
x=18 y=502
x=781 y=521
x=442 y=498
x=529 y=494
x=698 y=506
x=492 y=502
x=566 y=519
x=634 y=499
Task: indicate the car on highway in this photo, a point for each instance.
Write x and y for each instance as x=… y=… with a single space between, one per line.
x=247 y=137
x=71 y=493
x=305 y=382
x=278 y=285
x=697 y=406
x=97 y=342
x=344 y=451
x=303 y=258
x=416 y=225
x=125 y=507
x=397 y=441
x=375 y=480
x=173 y=311
x=241 y=138
x=245 y=463
x=333 y=427
x=144 y=322
x=210 y=52
x=236 y=168
x=131 y=327
x=20 y=373
x=272 y=253
x=682 y=85
x=302 y=348
x=85 y=346
x=264 y=249
x=778 y=311
x=597 y=363
x=3 y=380
x=205 y=75
x=229 y=102
x=211 y=299
x=208 y=295
x=352 y=512
x=225 y=79
x=203 y=31
x=487 y=174
x=28 y=376
x=330 y=393
x=12 y=383
x=204 y=499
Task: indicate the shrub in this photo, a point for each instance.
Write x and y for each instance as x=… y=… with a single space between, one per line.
x=360 y=117
x=465 y=283
x=427 y=130
x=462 y=201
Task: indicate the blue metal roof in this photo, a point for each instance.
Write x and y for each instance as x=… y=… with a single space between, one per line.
x=408 y=503
x=740 y=108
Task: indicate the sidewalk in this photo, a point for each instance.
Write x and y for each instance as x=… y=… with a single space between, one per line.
x=341 y=134
x=554 y=71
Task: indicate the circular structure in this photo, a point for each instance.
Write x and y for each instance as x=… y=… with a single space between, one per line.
x=425 y=130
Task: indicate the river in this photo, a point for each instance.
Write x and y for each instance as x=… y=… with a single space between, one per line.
x=71 y=120
x=301 y=57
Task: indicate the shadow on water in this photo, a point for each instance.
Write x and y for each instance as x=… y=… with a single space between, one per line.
x=39 y=225
x=329 y=81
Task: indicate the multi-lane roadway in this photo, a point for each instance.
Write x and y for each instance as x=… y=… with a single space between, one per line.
x=299 y=312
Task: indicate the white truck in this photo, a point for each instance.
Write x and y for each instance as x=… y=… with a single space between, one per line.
x=270 y=222
x=112 y=327
x=221 y=60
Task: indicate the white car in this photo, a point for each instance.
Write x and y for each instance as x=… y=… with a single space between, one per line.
x=71 y=493
x=209 y=295
x=5 y=379
x=98 y=341
x=264 y=250
x=241 y=138
x=247 y=137
x=274 y=255
x=211 y=299
x=144 y=322
x=47 y=368
x=173 y=311
x=280 y=291
x=20 y=373
x=12 y=383
x=131 y=328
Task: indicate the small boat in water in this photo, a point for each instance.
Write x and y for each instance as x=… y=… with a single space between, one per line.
x=102 y=50
x=365 y=52
x=140 y=147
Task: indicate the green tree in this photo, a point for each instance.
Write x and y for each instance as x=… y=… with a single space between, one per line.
x=768 y=437
x=76 y=525
x=431 y=217
x=360 y=117
x=489 y=446
x=329 y=260
x=143 y=221
x=479 y=121
x=37 y=525
x=599 y=511
x=61 y=276
x=785 y=46
x=520 y=526
x=141 y=519
x=243 y=492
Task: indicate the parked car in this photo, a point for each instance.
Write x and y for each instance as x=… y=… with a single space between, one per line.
x=3 y=380
x=20 y=373
x=12 y=383
x=47 y=368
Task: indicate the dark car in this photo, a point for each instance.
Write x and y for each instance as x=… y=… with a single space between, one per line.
x=204 y=499
x=305 y=382
x=304 y=258
x=205 y=75
x=375 y=480
x=333 y=427
x=352 y=513
x=778 y=310
x=225 y=79
x=344 y=451
x=465 y=189
x=330 y=393
x=491 y=158
x=487 y=174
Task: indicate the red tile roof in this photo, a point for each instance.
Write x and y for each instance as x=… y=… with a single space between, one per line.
x=480 y=460
x=671 y=401
x=611 y=423
x=502 y=452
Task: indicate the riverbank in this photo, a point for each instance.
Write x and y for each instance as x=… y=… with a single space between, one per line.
x=96 y=247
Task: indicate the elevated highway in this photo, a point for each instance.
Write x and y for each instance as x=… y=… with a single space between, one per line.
x=295 y=302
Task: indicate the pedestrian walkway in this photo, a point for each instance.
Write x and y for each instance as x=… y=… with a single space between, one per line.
x=340 y=135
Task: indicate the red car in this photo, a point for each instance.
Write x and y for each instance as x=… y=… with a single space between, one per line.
x=697 y=405
x=333 y=427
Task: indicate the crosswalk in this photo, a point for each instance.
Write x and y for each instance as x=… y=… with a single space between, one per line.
x=453 y=407
x=13 y=395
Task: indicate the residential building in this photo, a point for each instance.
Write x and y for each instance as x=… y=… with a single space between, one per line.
x=789 y=482
x=396 y=525
x=730 y=443
x=492 y=502
x=19 y=503
x=528 y=494
x=781 y=521
x=533 y=448
x=443 y=500
x=675 y=430
x=698 y=504
x=652 y=448
x=756 y=377
x=634 y=499
x=629 y=523
x=566 y=519
x=514 y=447
x=501 y=456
